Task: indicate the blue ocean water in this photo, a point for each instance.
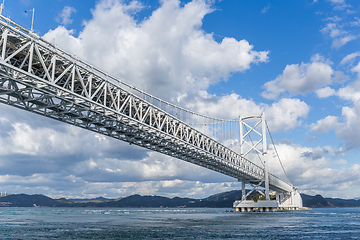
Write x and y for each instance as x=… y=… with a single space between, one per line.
x=177 y=223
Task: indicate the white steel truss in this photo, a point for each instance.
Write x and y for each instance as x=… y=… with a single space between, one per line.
x=40 y=78
x=253 y=146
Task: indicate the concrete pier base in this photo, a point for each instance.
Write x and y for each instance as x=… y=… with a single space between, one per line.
x=259 y=206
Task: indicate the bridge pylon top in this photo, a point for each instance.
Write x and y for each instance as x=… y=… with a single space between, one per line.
x=253 y=128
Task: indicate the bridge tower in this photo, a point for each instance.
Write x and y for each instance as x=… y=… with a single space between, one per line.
x=253 y=127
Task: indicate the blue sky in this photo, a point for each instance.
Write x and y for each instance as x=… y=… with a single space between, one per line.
x=299 y=61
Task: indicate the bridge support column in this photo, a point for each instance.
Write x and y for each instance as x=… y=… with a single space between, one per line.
x=243 y=190
x=267 y=195
x=267 y=190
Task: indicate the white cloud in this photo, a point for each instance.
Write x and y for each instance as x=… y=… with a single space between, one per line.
x=325 y=92
x=325 y=125
x=56 y=159
x=350 y=58
x=341 y=41
x=339 y=5
x=44 y=142
x=156 y=174
x=333 y=30
x=58 y=185
x=286 y=114
x=282 y=115
x=349 y=130
x=65 y=16
x=168 y=51
x=61 y=35
x=300 y=79
x=212 y=105
x=350 y=92
x=356 y=69
x=340 y=37
x=309 y=169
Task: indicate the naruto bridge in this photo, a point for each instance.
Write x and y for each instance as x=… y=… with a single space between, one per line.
x=37 y=76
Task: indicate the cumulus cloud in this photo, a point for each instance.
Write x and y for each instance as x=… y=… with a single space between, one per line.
x=55 y=161
x=61 y=35
x=168 y=51
x=310 y=169
x=325 y=92
x=98 y=171
x=66 y=142
x=300 y=78
x=283 y=115
x=325 y=125
x=346 y=126
x=348 y=130
x=58 y=185
x=350 y=92
x=212 y=105
x=72 y=159
x=286 y=114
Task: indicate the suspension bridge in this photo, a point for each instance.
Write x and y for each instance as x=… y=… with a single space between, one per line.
x=37 y=76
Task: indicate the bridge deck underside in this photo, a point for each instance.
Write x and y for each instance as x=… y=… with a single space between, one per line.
x=36 y=77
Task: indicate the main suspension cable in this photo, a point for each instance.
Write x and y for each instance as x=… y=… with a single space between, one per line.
x=277 y=152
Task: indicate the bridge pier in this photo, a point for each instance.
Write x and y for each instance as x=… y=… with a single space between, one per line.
x=259 y=206
x=290 y=201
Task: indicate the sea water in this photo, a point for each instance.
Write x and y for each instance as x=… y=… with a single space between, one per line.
x=177 y=223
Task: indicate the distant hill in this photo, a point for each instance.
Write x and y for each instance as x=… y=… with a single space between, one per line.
x=338 y=202
x=316 y=201
x=90 y=200
x=319 y=201
x=220 y=200
x=23 y=200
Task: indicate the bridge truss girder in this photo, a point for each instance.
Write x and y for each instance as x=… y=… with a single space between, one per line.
x=40 y=78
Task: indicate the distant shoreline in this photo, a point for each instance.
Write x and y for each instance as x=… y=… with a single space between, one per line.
x=222 y=200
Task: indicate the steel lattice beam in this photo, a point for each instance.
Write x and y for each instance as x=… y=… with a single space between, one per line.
x=40 y=78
